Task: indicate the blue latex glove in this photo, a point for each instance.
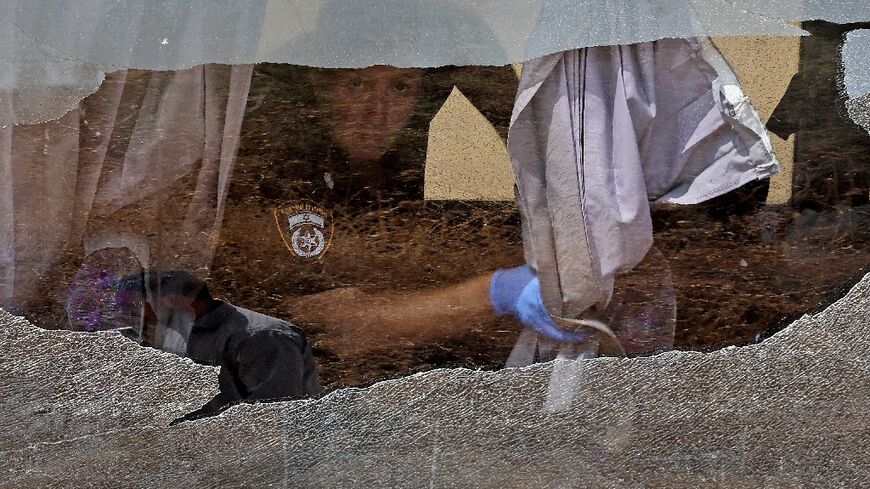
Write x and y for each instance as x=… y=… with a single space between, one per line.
x=516 y=292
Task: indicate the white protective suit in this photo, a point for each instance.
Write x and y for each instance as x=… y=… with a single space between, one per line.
x=158 y=145
x=598 y=134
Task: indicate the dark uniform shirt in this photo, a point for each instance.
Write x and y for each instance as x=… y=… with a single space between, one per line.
x=261 y=358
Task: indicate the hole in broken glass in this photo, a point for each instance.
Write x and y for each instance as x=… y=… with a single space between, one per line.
x=324 y=216
x=856 y=76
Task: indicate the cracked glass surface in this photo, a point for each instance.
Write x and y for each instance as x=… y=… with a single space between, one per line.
x=62 y=61
x=159 y=190
x=38 y=83
x=856 y=71
x=677 y=419
x=856 y=76
x=859 y=111
x=327 y=33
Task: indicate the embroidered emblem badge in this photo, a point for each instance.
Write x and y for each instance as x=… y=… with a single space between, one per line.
x=306 y=229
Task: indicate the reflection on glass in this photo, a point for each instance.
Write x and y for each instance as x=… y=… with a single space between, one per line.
x=98 y=300
x=297 y=193
x=261 y=358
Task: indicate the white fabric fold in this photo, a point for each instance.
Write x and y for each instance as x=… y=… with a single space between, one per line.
x=598 y=134
x=157 y=147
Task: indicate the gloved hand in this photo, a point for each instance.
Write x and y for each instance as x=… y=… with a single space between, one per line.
x=516 y=292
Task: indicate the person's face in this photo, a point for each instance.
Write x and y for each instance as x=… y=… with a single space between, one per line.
x=152 y=333
x=367 y=108
x=169 y=327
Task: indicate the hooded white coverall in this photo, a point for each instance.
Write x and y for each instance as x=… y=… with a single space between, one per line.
x=598 y=134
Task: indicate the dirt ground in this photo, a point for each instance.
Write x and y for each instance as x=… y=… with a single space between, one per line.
x=731 y=287
x=740 y=270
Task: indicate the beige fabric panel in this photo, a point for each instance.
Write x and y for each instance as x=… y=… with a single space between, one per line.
x=765 y=66
x=466 y=159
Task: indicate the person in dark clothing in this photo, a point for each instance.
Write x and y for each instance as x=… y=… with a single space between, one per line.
x=261 y=358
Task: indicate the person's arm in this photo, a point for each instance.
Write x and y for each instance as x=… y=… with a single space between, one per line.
x=226 y=397
x=356 y=321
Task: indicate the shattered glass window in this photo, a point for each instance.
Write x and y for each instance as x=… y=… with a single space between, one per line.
x=227 y=213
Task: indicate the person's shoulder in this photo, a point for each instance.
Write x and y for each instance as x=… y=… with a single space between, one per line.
x=261 y=324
